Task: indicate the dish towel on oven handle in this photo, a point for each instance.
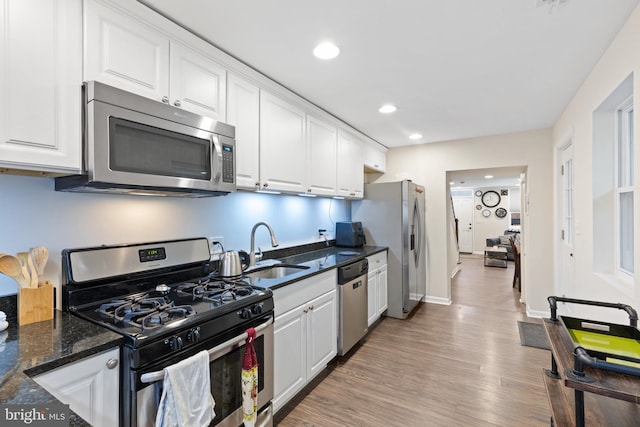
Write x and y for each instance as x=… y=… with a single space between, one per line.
x=250 y=381
x=186 y=394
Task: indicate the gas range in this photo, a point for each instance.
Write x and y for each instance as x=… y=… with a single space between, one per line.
x=168 y=306
x=149 y=291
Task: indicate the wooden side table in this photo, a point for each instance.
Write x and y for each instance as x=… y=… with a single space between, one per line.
x=601 y=398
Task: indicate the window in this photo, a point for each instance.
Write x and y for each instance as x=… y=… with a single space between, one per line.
x=624 y=186
x=612 y=187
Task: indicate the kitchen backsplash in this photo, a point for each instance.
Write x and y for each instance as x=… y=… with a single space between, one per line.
x=34 y=214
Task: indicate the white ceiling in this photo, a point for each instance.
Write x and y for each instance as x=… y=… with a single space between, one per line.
x=508 y=177
x=454 y=68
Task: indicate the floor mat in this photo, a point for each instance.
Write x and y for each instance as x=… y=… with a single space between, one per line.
x=533 y=335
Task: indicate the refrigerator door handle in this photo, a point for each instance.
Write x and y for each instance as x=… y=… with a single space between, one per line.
x=417 y=221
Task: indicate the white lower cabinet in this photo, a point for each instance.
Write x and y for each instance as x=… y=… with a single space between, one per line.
x=377 y=301
x=89 y=386
x=305 y=333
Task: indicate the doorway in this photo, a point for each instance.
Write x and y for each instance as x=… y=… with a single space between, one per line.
x=480 y=218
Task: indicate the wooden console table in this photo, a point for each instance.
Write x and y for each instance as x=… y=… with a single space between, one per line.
x=608 y=398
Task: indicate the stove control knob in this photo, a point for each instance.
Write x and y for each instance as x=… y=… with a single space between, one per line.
x=175 y=343
x=193 y=336
x=245 y=313
x=256 y=309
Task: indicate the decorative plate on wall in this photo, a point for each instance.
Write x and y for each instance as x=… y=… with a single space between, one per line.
x=478 y=207
x=486 y=213
x=478 y=193
x=501 y=212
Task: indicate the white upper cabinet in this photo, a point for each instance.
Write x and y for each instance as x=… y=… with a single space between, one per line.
x=123 y=51
x=243 y=112
x=375 y=159
x=40 y=85
x=283 y=150
x=321 y=158
x=350 y=182
x=197 y=83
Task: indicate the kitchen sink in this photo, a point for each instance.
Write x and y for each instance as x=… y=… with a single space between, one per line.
x=276 y=271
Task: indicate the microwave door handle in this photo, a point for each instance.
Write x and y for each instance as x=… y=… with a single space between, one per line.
x=216 y=157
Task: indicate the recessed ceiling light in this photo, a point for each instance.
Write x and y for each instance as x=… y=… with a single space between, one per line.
x=488 y=176
x=326 y=50
x=387 y=108
x=415 y=136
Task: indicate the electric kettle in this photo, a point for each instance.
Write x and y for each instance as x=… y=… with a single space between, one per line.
x=233 y=263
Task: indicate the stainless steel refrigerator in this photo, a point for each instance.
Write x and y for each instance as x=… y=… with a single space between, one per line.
x=392 y=215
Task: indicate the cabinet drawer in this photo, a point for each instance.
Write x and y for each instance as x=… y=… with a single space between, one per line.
x=298 y=293
x=377 y=260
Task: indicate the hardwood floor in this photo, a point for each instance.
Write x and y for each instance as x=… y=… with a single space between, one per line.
x=457 y=365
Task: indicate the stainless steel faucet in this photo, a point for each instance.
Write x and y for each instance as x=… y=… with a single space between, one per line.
x=252 y=253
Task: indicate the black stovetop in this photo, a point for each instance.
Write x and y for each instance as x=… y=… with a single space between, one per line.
x=153 y=314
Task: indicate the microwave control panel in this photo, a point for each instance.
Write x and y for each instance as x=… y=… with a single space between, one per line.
x=228 y=174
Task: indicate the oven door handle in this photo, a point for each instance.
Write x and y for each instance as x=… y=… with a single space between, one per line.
x=152 y=377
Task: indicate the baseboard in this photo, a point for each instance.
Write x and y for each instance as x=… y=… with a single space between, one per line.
x=538 y=314
x=456 y=270
x=437 y=300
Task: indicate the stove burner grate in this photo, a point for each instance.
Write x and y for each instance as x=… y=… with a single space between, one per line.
x=217 y=291
x=144 y=312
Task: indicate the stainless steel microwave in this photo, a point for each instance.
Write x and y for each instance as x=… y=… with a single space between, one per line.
x=136 y=145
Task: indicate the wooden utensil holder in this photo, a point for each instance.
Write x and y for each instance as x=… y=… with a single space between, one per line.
x=35 y=304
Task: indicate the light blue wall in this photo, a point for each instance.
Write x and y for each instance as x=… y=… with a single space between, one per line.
x=33 y=214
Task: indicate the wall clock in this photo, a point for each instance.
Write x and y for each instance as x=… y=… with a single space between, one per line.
x=478 y=193
x=490 y=199
x=501 y=212
x=486 y=213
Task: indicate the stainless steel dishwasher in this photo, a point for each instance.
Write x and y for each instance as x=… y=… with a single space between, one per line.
x=352 y=303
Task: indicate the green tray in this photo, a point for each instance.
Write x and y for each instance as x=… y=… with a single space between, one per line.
x=609 y=342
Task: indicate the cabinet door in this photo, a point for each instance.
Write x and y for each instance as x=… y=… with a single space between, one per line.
x=197 y=83
x=124 y=52
x=290 y=355
x=90 y=387
x=322 y=330
x=382 y=290
x=375 y=159
x=372 y=297
x=282 y=145
x=243 y=112
x=40 y=84
x=350 y=172
x=321 y=157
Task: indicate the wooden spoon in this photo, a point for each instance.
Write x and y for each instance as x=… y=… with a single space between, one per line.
x=40 y=256
x=27 y=268
x=11 y=266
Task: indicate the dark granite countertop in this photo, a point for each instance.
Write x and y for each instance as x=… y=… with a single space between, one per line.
x=29 y=350
x=318 y=261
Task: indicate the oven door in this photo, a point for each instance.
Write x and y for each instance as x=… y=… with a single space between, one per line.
x=225 y=370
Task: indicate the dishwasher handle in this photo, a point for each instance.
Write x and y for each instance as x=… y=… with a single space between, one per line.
x=353 y=270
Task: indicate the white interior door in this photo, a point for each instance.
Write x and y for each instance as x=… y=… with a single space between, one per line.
x=463 y=207
x=568 y=227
